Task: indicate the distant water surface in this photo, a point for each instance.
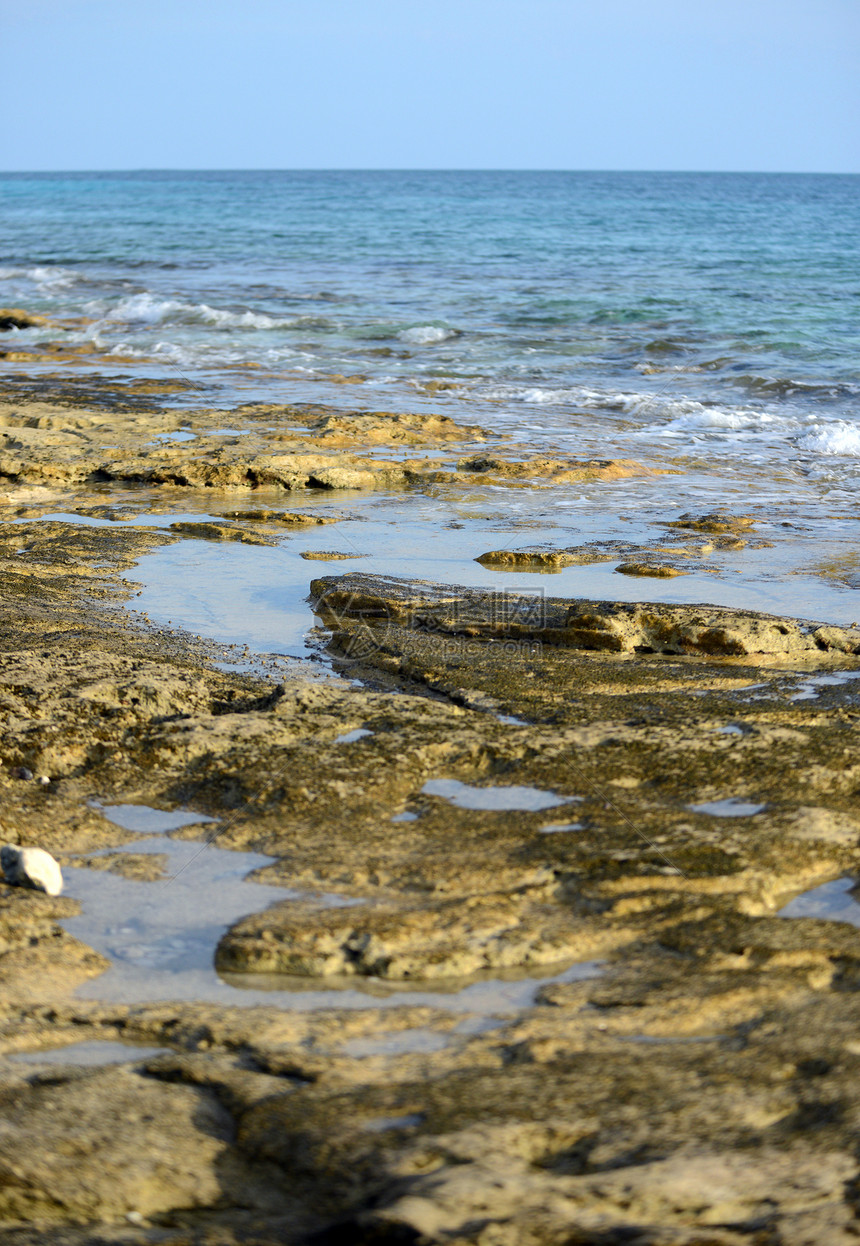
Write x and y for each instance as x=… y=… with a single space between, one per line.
x=708 y=323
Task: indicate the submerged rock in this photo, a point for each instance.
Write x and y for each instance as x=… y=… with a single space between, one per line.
x=716 y=522
x=656 y=570
x=541 y=558
x=17 y=318
x=31 y=867
x=328 y=555
x=218 y=532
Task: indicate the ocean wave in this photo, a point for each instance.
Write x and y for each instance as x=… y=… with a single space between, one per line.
x=544 y=396
x=840 y=437
x=47 y=277
x=147 y=309
x=214 y=353
x=786 y=387
x=660 y=415
x=689 y=416
x=425 y=334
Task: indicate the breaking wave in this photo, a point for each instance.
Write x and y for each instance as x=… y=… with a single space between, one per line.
x=425 y=334
x=47 y=278
x=840 y=437
x=147 y=309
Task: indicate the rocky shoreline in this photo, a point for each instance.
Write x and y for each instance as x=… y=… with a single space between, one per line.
x=496 y=790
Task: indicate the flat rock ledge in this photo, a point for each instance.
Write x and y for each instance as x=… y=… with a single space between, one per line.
x=617 y=627
x=67 y=444
x=698 y=1087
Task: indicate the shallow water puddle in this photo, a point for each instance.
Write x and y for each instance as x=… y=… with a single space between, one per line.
x=811 y=688
x=465 y=796
x=383 y=1123
x=266 y=607
x=161 y=936
x=238 y=594
x=148 y=821
x=484 y=996
x=832 y=901
x=350 y=737
x=730 y=808
x=89 y=1054
x=162 y=439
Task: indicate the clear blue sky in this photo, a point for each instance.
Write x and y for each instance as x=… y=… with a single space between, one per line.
x=523 y=84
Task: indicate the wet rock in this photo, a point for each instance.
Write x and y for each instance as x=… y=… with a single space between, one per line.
x=218 y=532
x=674 y=555
x=440 y=939
x=542 y=558
x=328 y=555
x=17 y=318
x=715 y=522
x=37 y=957
x=288 y=518
x=540 y=468
x=701 y=1089
x=656 y=570
x=143 y=866
x=684 y=1199
x=613 y=626
x=392 y=428
x=701 y=629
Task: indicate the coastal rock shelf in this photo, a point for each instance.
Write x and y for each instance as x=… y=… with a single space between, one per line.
x=69 y=443
x=356 y=601
x=674 y=1055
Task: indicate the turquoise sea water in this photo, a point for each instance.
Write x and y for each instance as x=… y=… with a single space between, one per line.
x=707 y=323
x=743 y=288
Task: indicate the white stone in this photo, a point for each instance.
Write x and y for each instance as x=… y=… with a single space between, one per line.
x=31 y=867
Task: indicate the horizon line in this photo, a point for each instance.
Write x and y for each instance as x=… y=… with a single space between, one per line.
x=424 y=169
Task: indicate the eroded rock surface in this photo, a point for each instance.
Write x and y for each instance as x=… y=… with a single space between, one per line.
x=553 y=781
x=70 y=442
x=619 y=627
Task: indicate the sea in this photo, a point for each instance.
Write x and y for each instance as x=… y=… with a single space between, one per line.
x=705 y=324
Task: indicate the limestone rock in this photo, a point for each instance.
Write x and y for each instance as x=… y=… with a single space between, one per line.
x=328 y=555
x=218 y=532
x=716 y=522
x=17 y=318
x=619 y=627
x=31 y=867
x=657 y=570
x=145 y=1146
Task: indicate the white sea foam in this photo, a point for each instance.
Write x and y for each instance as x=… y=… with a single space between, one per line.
x=47 y=278
x=666 y=415
x=689 y=416
x=840 y=437
x=425 y=334
x=148 y=309
x=536 y=395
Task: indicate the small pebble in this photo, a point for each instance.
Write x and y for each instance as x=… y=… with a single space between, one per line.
x=31 y=867
x=44 y=779
x=23 y=773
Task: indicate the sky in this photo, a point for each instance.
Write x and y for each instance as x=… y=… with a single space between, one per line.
x=738 y=85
